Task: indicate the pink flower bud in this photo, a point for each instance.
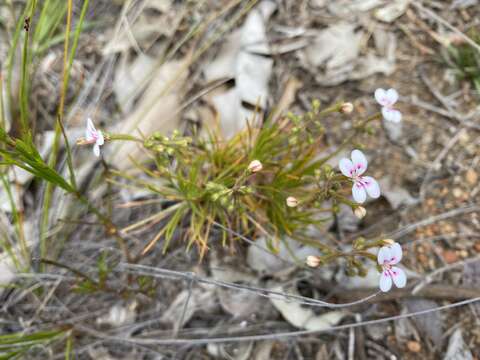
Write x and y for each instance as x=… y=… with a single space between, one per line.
x=360 y=212
x=312 y=261
x=255 y=166
x=292 y=201
x=388 y=241
x=346 y=108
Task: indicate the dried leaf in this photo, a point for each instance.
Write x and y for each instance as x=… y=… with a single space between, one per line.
x=349 y=8
x=305 y=318
x=119 y=315
x=157 y=110
x=261 y=259
x=196 y=300
x=396 y=195
x=130 y=79
x=240 y=304
x=358 y=67
x=457 y=349
x=392 y=11
x=263 y=349
x=239 y=59
x=335 y=46
x=430 y=325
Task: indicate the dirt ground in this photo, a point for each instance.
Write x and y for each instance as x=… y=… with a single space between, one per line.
x=429 y=167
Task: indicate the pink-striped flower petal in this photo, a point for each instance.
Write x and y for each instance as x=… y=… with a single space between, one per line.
x=396 y=253
x=385 y=281
x=96 y=150
x=381 y=97
x=399 y=277
x=391 y=115
x=372 y=187
x=359 y=161
x=90 y=131
x=386 y=97
x=384 y=255
x=358 y=192
x=100 y=138
x=346 y=167
x=392 y=96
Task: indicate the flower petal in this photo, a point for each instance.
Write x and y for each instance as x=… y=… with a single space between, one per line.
x=399 y=277
x=90 y=126
x=391 y=115
x=392 y=96
x=384 y=255
x=100 y=139
x=372 y=187
x=358 y=192
x=385 y=282
x=359 y=161
x=396 y=253
x=381 y=97
x=96 y=150
x=346 y=167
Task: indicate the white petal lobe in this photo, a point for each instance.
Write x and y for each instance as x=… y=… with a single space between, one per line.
x=399 y=277
x=397 y=253
x=101 y=139
x=392 y=96
x=381 y=97
x=385 y=282
x=359 y=161
x=384 y=254
x=372 y=187
x=358 y=193
x=391 y=115
x=346 y=167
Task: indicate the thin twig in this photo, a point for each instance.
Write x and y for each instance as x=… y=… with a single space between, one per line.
x=276 y=336
x=166 y=273
x=442 y=21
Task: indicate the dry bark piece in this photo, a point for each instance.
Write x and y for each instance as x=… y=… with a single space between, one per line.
x=305 y=318
x=157 y=110
x=457 y=349
x=430 y=325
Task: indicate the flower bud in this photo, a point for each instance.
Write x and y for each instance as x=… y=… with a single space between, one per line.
x=346 y=108
x=255 y=166
x=360 y=212
x=313 y=261
x=292 y=202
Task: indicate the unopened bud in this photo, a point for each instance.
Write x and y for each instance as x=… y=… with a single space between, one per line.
x=292 y=202
x=388 y=241
x=255 y=166
x=346 y=108
x=360 y=212
x=313 y=261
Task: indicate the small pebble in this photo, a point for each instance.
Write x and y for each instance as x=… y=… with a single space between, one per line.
x=471 y=176
x=450 y=256
x=414 y=346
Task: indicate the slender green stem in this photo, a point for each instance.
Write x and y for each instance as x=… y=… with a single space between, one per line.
x=53 y=157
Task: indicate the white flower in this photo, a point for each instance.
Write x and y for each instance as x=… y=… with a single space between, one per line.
x=387 y=257
x=94 y=136
x=387 y=98
x=361 y=184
